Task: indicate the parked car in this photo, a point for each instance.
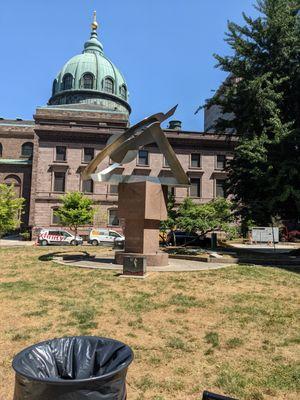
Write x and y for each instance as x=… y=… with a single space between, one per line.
x=106 y=237
x=58 y=237
x=182 y=238
x=287 y=235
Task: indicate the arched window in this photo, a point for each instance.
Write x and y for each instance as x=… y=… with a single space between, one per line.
x=123 y=92
x=87 y=81
x=1 y=150
x=27 y=149
x=108 y=85
x=67 y=82
x=15 y=181
x=54 y=86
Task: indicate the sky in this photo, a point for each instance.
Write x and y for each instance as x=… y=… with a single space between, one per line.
x=164 y=48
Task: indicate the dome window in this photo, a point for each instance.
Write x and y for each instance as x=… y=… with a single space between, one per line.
x=108 y=85
x=67 y=82
x=123 y=92
x=87 y=81
x=54 y=87
x=27 y=150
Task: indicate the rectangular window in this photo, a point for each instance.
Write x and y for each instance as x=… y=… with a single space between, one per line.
x=88 y=186
x=61 y=153
x=113 y=219
x=171 y=190
x=195 y=160
x=220 y=188
x=195 y=188
x=143 y=157
x=88 y=154
x=59 y=181
x=166 y=164
x=221 y=161
x=55 y=218
x=113 y=189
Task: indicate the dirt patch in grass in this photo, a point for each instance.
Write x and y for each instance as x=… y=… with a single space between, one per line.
x=233 y=331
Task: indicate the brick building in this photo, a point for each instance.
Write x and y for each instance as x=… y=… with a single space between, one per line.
x=44 y=158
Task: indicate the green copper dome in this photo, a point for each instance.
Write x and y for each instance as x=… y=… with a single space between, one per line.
x=91 y=78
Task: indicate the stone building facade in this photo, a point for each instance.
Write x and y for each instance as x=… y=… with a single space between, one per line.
x=44 y=158
x=16 y=151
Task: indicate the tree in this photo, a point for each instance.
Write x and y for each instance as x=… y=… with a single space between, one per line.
x=172 y=214
x=76 y=210
x=205 y=218
x=10 y=209
x=262 y=94
x=170 y=223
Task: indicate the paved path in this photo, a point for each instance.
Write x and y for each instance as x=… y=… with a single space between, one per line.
x=12 y=243
x=106 y=263
x=265 y=248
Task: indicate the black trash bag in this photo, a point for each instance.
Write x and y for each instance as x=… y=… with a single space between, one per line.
x=72 y=368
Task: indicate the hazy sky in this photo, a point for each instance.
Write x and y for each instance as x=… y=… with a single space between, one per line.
x=164 y=48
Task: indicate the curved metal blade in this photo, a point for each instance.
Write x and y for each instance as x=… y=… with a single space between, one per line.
x=108 y=150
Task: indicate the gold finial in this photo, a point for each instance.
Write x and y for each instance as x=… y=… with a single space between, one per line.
x=95 y=23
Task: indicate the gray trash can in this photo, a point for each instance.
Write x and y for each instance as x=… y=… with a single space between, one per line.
x=73 y=368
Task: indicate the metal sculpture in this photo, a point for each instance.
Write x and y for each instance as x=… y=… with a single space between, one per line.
x=142 y=199
x=123 y=148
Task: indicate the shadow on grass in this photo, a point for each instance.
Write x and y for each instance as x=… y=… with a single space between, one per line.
x=78 y=256
x=289 y=261
x=65 y=255
x=272 y=260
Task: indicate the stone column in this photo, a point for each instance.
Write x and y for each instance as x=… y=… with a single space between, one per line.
x=143 y=206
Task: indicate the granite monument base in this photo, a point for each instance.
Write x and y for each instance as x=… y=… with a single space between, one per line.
x=143 y=206
x=159 y=259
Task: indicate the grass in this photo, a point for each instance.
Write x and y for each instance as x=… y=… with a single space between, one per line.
x=234 y=342
x=185 y=301
x=212 y=338
x=232 y=331
x=177 y=343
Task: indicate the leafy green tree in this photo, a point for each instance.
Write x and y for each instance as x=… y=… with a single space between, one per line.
x=204 y=218
x=172 y=214
x=76 y=210
x=262 y=95
x=170 y=223
x=10 y=209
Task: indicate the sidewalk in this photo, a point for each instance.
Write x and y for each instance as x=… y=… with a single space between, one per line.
x=107 y=263
x=15 y=242
x=265 y=248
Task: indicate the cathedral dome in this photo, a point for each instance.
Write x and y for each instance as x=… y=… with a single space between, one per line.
x=91 y=78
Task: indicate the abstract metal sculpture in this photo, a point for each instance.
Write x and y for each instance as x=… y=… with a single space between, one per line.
x=142 y=199
x=123 y=148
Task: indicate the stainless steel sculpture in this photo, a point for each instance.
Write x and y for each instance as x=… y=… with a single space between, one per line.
x=123 y=148
x=141 y=199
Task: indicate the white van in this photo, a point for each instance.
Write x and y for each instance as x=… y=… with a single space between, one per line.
x=58 y=237
x=106 y=237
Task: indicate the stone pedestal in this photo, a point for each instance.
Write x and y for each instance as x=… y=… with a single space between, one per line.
x=134 y=266
x=143 y=206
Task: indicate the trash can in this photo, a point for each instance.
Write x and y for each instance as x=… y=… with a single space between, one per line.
x=72 y=368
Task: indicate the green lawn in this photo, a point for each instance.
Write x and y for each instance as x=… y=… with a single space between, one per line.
x=233 y=331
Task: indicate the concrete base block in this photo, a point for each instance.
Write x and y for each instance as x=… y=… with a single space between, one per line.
x=159 y=259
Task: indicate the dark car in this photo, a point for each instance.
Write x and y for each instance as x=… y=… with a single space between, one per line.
x=182 y=238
